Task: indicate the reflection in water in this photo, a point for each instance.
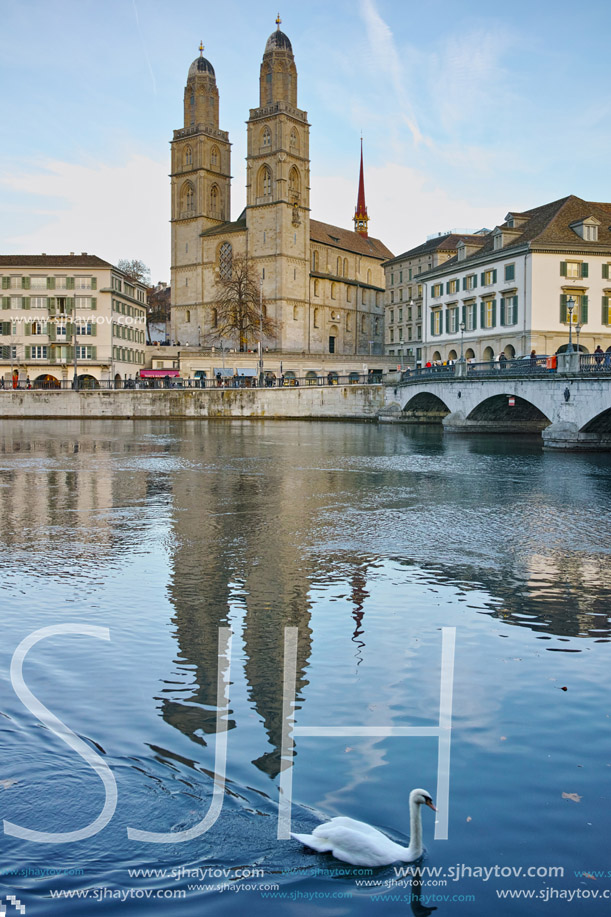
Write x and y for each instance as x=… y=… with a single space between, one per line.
x=367 y=540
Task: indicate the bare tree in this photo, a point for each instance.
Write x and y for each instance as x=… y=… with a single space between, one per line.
x=239 y=311
x=136 y=270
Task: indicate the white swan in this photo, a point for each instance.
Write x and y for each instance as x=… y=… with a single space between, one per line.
x=357 y=843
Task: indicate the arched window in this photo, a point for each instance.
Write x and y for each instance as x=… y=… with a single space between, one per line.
x=368 y=276
x=266 y=137
x=339 y=267
x=345 y=267
x=314 y=260
x=295 y=313
x=294 y=183
x=188 y=316
x=316 y=288
x=214 y=199
x=187 y=197
x=294 y=141
x=225 y=261
x=265 y=182
x=316 y=311
x=215 y=318
x=363 y=324
x=333 y=290
x=214 y=157
x=188 y=156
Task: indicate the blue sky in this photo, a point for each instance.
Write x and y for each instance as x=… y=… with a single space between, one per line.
x=467 y=110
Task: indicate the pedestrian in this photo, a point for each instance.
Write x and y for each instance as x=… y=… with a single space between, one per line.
x=1 y=381
x=599 y=355
x=533 y=358
x=218 y=379
x=606 y=364
x=502 y=360
x=29 y=384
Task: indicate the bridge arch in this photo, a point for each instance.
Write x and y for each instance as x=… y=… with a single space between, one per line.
x=425 y=408
x=600 y=424
x=498 y=409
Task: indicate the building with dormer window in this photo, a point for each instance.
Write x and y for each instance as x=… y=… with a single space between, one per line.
x=519 y=287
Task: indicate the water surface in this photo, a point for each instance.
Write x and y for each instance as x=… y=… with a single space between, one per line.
x=367 y=539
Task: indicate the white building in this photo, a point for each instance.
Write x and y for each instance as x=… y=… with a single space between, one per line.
x=52 y=303
x=513 y=288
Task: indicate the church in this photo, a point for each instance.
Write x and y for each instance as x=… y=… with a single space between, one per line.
x=322 y=285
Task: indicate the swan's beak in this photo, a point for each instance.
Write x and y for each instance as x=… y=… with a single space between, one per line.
x=429 y=803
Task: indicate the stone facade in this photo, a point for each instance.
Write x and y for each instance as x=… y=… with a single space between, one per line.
x=322 y=284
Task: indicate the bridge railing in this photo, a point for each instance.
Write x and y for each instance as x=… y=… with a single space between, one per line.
x=270 y=381
x=595 y=363
x=530 y=366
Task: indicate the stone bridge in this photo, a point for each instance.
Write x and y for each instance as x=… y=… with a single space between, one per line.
x=569 y=410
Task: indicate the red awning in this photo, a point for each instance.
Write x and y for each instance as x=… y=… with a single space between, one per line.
x=158 y=373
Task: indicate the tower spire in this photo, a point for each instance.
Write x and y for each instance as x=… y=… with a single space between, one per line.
x=360 y=214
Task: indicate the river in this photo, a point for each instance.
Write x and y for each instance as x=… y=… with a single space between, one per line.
x=378 y=547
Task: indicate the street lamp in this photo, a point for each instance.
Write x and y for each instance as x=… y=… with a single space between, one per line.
x=261 y=331
x=461 y=328
x=570 y=307
x=75 y=381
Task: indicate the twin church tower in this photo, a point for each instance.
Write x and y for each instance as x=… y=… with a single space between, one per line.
x=323 y=284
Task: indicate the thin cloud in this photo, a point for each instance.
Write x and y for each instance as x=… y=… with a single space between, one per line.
x=387 y=59
x=144 y=47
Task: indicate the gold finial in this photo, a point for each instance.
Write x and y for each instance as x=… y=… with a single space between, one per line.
x=201 y=48
x=278 y=21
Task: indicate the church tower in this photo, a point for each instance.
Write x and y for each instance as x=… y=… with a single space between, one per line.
x=278 y=192
x=200 y=191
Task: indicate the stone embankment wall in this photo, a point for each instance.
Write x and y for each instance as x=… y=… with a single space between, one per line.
x=342 y=402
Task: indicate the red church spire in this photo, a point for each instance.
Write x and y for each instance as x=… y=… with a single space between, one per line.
x=360 y=214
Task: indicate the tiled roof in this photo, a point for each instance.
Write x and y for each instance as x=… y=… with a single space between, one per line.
x=441 y=244
x=550 y=224
x=348 y=240
x=53 y=261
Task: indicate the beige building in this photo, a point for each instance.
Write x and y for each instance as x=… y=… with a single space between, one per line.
x=52 y=303
x=404 y=300
x=521 y=286
x=324 y=285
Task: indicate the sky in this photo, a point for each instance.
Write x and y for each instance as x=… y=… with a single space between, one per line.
x=467 y=111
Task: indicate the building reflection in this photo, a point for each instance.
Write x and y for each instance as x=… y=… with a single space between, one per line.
x=256 y=529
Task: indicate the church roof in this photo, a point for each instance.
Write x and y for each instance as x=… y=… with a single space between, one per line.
x=201 y=65
x=238 y=225
x=278 y=41
x=348 y=240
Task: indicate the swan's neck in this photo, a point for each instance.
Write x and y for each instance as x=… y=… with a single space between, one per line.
x=415 y=831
